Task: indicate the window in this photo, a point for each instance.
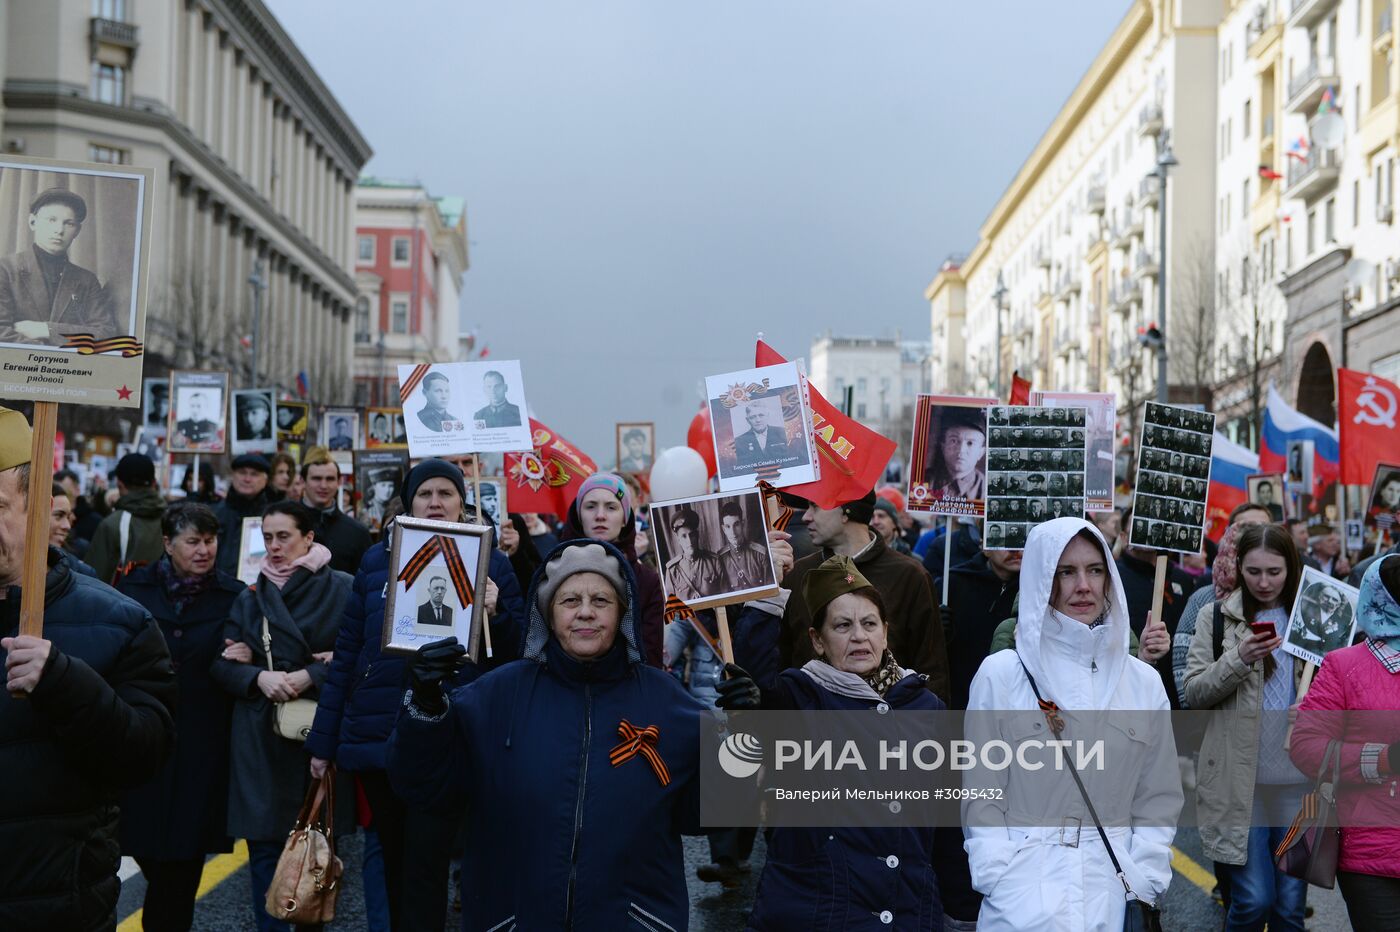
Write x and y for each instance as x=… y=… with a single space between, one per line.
x=860 y=385
x=1356 y=203
x=860 y=411
x=1244 y=130
x=109 y=9
x=398 y=315
x=840 y=389
x=1244 y=200
x=108 y=155
x=1312 y=232
x=362 y=320
x=401 y=250
x=362 y=391
x=366 y=247
x=1329 y=221
x=884 y=386
x=908 y=388
x=108 y=84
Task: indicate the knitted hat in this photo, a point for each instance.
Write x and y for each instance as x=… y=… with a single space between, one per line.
x=429 y=469
x=252 y=461
x=862 y=509
x=892 y=495
x=136 y=471
x=884 y=504
x=16 y=439
x=835 y=577
x=569 y=561
x=615 y=486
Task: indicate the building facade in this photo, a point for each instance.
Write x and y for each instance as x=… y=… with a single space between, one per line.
x=885 y=376
x=410 y=254
x=254 y=164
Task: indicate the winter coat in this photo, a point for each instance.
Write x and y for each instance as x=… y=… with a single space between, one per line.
x=269 y=773
x=346 y=538
x=1184 y=634
x=75 y=563
x=99 y=722
x=651 y=618
x=144 y=541
x=183 y=812
x=915 y=633
x=1138 y=577
x=848 y=879
x=1229 y=757
x=363 y=690
x=1081 y=669
x=563 y=837
x=1353 y=679
x=230 y=514
x=978 y=601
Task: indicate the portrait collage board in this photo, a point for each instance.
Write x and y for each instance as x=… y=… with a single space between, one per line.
x=437 y=569
x=384 y=428
x=761 y=423
x=453 y=408
x=636 y=446
x=198 y=421
x=379 y=476
x=1173 y=477
x=1383 y=509
x=1100 y=429
x=1268 y=491
x=713 y=549
x=253 y=423
x=91 y=224
x=948 y=456
x=1323 y=617
x=1035 y=470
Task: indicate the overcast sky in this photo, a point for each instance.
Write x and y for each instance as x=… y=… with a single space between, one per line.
x=651 y=182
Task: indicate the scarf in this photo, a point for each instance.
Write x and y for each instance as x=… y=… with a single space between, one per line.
x=1377 y=611
x=852 y=685
x=885 y=675
x=182 y=590
x=315 y=558
x=1223 y=571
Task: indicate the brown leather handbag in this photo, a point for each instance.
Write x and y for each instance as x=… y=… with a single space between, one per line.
x=1313 y=844
x=307 y=880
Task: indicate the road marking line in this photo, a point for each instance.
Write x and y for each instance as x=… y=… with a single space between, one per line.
x=216 y=871
x=1188 y=868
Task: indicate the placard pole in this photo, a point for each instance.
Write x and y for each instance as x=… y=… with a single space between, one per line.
x=947 y=558
x=1305 y=681
x=1159 y=586
x=480 y=519
x=726 y=642
x=194 y=479
x=1342 y=519
x=36 y=524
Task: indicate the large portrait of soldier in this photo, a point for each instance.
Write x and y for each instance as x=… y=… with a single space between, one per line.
x=713 y=549
x=73 y=250
x=253 y=424
x=378 y=478
x=155 y=406
x=437 y=574
x=762 y=427
x=340 y=429
x=198 y=412
x=948 y=456
x=464 y=407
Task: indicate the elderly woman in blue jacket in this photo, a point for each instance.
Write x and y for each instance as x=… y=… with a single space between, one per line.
x=844 y=878
x=578 y=764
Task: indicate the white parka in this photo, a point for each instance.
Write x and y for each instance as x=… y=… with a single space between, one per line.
x=1059 y=877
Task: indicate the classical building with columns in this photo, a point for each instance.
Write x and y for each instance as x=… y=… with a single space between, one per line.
x=255 y=165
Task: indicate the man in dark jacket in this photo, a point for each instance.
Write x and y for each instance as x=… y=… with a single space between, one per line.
x=346 y=538
x=981 y=595
x=94 y=718
x=1137 y=569
x=247 y=497
x=131 y=533
x=915 y=637
x=967 y=545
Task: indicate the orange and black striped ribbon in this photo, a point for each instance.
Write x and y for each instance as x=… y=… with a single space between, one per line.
x=783 y=512
x=640 y=741
x=1052 y=715
x=676 y=610
x=766 y=474
x=456 y=569
x=1306 y=814
x=88 y=345
x=412 y=381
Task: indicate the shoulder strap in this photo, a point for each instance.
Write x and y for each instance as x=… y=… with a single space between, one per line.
x=267 y=644
x=125 y=533
x=1217 y=631
x=1057 y=725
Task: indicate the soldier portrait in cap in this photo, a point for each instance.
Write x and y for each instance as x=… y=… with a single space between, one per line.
x=292 y=418
x=714 y=549
x=492 y=494
x=200 y=412
x=155 y=406
x=498 y=411
x=378 y=475
x=340 y=429
x=950 y=453
x=253 y=425
x=694 y=572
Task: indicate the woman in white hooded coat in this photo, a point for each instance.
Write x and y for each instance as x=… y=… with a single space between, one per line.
x=1034 y=853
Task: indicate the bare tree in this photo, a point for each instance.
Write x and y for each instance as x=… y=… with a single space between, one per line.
x=1250 y=303
x=1191 y=323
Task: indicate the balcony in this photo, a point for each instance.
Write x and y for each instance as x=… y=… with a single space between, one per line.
x=1266 y=132
x=1123 y=295
x=1304 y=14
x=1122 y=237
x=1068 y=285
x=1145 y=265
x=1310 y=179
x=1385 y=25
x=1150 y=119
x=1263 y=28
x=114 y=32
x=1307 y=86
x=1095 y=201
x=1042 y=258
x=1147 y=192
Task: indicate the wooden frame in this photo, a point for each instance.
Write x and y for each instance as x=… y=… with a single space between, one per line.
x=411 y=541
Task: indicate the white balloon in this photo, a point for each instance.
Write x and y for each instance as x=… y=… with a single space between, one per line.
x=679 y=472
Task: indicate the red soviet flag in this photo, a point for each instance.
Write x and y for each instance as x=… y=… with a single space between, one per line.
x=1367 y=408
x=1020 y=390
x=853 y=457
x=546 y=479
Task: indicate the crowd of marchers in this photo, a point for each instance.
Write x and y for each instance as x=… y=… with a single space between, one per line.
x=549 y=785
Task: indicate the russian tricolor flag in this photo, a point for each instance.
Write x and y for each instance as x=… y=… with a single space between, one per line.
x=1230 y=466
x=1282 y=424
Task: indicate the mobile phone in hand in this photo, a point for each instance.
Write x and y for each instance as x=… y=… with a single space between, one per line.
x=1265 y=628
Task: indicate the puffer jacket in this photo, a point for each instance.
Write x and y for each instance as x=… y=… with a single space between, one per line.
x=144 y=542
x=561 y=835
x=364 y=688
x=98 y=723
x=1229 y=758
x=1353 y=679
x=651 y=617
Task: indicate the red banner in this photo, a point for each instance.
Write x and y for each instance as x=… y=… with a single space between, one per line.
x=853 y=457
x=1020 y=390
x=546 y=479
x=1367 y=409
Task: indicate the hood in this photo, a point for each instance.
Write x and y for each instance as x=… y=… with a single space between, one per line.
x=1057 y=652
x=1376 y=610
x=626 y=538
x=537 y=633
x=142 y=503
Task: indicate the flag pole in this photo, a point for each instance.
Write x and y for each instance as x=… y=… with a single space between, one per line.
x=947 y=558
x=476 y=502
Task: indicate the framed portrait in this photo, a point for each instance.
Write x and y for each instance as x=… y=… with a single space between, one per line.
x=292 y=418
x=1268 y=491
x=636 y=446
x=762 y=427
x=378 y=477
x=436 y=569
x=1384 y=507
x=948 y=455
x=155 y=406
x=253 y=430
x=1323 y=617
x=198 y=412
x=340 y=430
x=88 y=227
x=251 y=550
x=464 y=407
x=493 y=499
x=1035 y=459
x=713 y=549
x=1100 y=428
x=384 y=427
x=1299 y=465
x=1173 y=477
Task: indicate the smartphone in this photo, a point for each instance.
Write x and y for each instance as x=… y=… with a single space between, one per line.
x=1265 y=628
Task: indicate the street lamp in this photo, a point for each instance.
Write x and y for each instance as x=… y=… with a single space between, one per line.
x=1165 y=162
x=999 y=300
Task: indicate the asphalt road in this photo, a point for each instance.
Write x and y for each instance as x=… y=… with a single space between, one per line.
x=226 y=906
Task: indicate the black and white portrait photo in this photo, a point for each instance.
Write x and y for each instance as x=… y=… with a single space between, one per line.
x=155 y=406
x=492 y=496
x=384 y=428
x=253 y=430
x=636 y=446
x=437 y=574
x=378 y=475
x=1298 y=458
x=340 y=429
x=1323 y=618
x=198 y=415
x=1173 y=478
x=713 y=550
x=1267 y=490
x=1100 y=424
x=464 y=407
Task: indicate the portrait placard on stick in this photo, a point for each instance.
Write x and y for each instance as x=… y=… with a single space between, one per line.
x=292 y=418
x=1035 y=470
x=155 y=407
x=198 y=412
x=713 y=549
x=437 y=574
x=384 y=428
x=948 y=456
x=1323 y=617
x=340 y=430
x=464 y=407
x=1100 y=428
x=1173 y=476
x=1267 y=490
x=636 y=446
x=493 y=496
x=253 y=421
x=1384 y=510
x=762 y=427
x=379 y=476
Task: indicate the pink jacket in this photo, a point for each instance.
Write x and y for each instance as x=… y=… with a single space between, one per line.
x=1352 y=679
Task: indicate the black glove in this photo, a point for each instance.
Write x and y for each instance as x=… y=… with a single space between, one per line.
x=432 y=664
x=738 y=691
x=945 y=622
